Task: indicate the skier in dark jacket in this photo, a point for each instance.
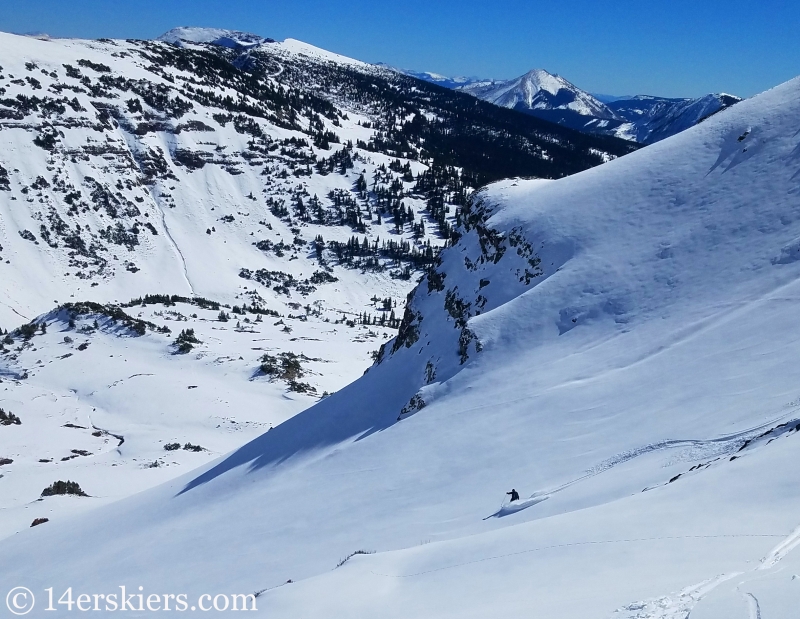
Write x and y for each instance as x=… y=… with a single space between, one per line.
x=514 y=495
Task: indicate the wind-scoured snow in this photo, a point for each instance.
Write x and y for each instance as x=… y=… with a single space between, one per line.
x=623 y=341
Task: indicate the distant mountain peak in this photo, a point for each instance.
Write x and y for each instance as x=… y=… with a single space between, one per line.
x=540 y=90
x=215 y=36
x=545 y=78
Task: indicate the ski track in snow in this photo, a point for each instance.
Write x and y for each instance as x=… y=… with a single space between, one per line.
x=278 y=72
x=679 y=606
x=15 y=311
x=702 y=591
x=512 y=508
x=753 y=606
x=701 y=448
x=676 y=606
x=781 y=550
x=175 y=246
x=122 y=380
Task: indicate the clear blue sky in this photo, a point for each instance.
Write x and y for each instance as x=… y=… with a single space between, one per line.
x=666 y=47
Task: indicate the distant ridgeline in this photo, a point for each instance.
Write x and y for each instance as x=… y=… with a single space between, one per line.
x=642 y=119
x=412 y=119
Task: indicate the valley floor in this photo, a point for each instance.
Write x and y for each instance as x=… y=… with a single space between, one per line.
x=99 y=405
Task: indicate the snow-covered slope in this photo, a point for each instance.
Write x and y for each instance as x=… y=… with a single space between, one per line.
x=619 y=346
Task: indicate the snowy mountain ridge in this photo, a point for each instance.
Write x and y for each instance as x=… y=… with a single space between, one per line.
x=434 y=78
x=618 y=345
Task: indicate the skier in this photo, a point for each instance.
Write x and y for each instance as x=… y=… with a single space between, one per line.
x=514 y=495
